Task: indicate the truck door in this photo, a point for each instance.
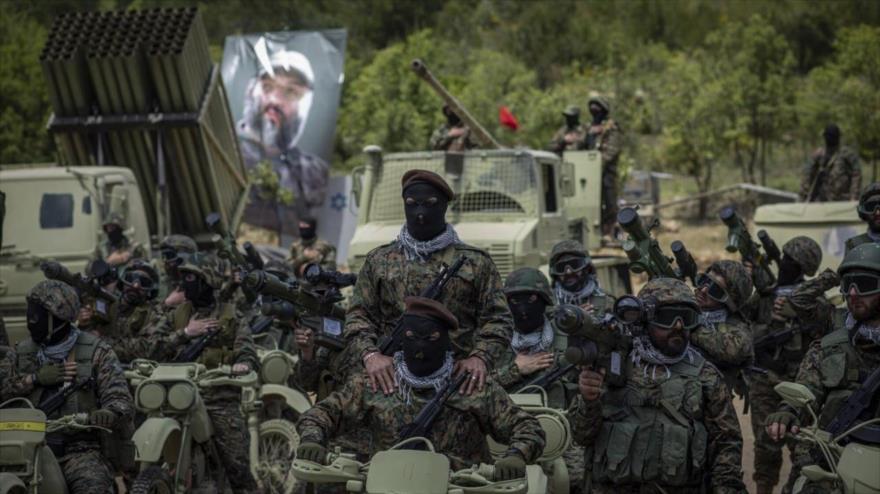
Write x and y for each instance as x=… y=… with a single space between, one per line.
x=552 y=226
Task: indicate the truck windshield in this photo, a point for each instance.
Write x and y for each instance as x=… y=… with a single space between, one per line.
x=497 y=183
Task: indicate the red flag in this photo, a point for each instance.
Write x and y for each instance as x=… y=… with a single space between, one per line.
x=507 y=119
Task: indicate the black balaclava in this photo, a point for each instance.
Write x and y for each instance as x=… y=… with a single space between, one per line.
x=789 y=271
x=599 y=114
x=43 y=326
x=528 y=316
x=572 y=121
x=197 y=291
x=832 y=136
x=423 y=356
x=451 y=118
x=308 y=232
x=423 y=220
x=114 y=234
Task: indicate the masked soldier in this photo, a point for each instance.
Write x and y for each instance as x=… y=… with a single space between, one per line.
x=571 y=135
x=725 y=337
x=605 y=136
x=423 y=368
x=311 y=249
x=574 y=277
x=800 y=256
x=833 y=172
x=838 y=365
x=537 y=352
x=453 y=135
x=118 y=249
x=231 y=344
x=58 y=354
x=174 y=248
x=137 y=310
x=407 y=266
x=869 y=212
x=672 y=426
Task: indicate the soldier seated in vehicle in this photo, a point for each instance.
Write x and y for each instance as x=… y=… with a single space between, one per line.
x=869 y=212
x=422 y=369
x=174 y=248
x=118 y=249
x=574 y=277
x=672 y=426
x=453 y=134
x=229 y=342
x=58 y=354
x=136 y=312
x=311 y=249
x=571 y=135
x=836 y=367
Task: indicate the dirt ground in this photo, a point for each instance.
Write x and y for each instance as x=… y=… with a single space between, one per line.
x=748 y=461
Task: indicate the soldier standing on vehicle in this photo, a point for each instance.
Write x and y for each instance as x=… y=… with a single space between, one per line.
x=833 y=172
x=725 y=337
x=605 y=136
x=574 y=277
x=672 y=427
x=453 y=134
x=58 y=354
x=202 y=315
x=311 y=249
x=407 y=266
x=422 y=369
x=118 y=249
x=536 y=352
x=800 y=256
x=174 y=248
x=869 y=212
x=836 y=366
x=571 y=135
x=136 y=312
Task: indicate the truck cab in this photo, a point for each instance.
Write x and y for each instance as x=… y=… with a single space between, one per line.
x=56 y=213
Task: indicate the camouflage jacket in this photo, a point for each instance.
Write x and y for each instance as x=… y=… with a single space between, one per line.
x=9 y=384
x=457 y=432
x=805 y=299
x=834 y=178
x=607 y=138
x=315 y=250
x=705 y=406
x=111 y=389
x=728 y=345
x=558 y=144
x=474 y=295
x=128 y=333
x=441 y=141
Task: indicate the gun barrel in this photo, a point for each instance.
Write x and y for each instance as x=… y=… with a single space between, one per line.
x=267 y=284
x=253 y=257
x=585 y=353
x=283 y=311
x=421 y=70
x=629 y=220
x=684 y=259
x=569 y=318
x=770 y=246
x=56 y=271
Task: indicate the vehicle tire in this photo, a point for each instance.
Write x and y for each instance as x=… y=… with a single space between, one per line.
x=153 y=480
x=277 y=446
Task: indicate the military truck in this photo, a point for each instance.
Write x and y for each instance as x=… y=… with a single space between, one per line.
x=513 y=203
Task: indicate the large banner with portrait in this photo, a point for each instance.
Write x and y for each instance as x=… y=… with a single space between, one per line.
x=284 y=91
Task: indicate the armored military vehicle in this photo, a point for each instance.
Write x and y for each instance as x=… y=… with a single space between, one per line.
x=513 y=203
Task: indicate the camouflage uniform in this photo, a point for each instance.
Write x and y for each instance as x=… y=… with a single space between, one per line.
x=181 y=244
x=837 y=177
x=678 y=432
x=85 y=469
x=441 y=141
x=558 y=144
x=728 y=344
x=867 y=237
x=314 y=250
x=607 y=138
x=598 y=299
x=457 y=432
x=473 y=295
x=134 y=249
x=231 y=345
x=781 y=362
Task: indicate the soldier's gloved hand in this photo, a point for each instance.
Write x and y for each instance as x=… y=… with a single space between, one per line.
x=510 y=467
x=781 y=422
x=102 y=418
x=312 y=452
x=50 y=374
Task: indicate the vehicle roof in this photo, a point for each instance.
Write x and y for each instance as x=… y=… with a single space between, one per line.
x=49 y=172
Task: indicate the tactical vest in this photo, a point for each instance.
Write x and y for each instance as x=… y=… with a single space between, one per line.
x=83 y=401
x=221 y=349
x=841 y=372
x=650 y=439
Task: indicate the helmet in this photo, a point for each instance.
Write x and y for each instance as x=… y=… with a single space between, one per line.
x=115 y=219
x=180 y=243
x=739 y=283
x=145 y=267
x=571 y=247
x=668 y=291
x=57 y=297
x=865 y=256
x=528 y=280
x=601 y=101
x=572 y=111
x=804 y=251
x=869 y=192
x=203 y=265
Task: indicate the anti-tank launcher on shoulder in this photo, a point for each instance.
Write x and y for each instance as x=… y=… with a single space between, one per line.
x=645 y=254
x=740 y=240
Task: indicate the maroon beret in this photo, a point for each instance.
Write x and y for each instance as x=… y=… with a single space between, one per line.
x=413 y=177
x=431 y=309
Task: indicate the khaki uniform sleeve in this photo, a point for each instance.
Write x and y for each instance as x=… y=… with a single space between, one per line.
x=586 y=420
x=729 y=344
x=612 y=144
x=806 y=300
x=112 y=388
x=320 y=423
x=511 y=425
x=363 y=316
x=495 y=323
x=725 y=436
x=506 y=372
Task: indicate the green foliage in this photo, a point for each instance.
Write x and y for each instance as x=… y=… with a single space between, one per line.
x=268 y=184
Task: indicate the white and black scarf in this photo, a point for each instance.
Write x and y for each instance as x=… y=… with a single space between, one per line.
x=59 y=351
x=407 y=381
x=417 y=250
x=712 y=318
x=645 y=355
x=534 y=342
x=868 y=332
x=564 y=296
